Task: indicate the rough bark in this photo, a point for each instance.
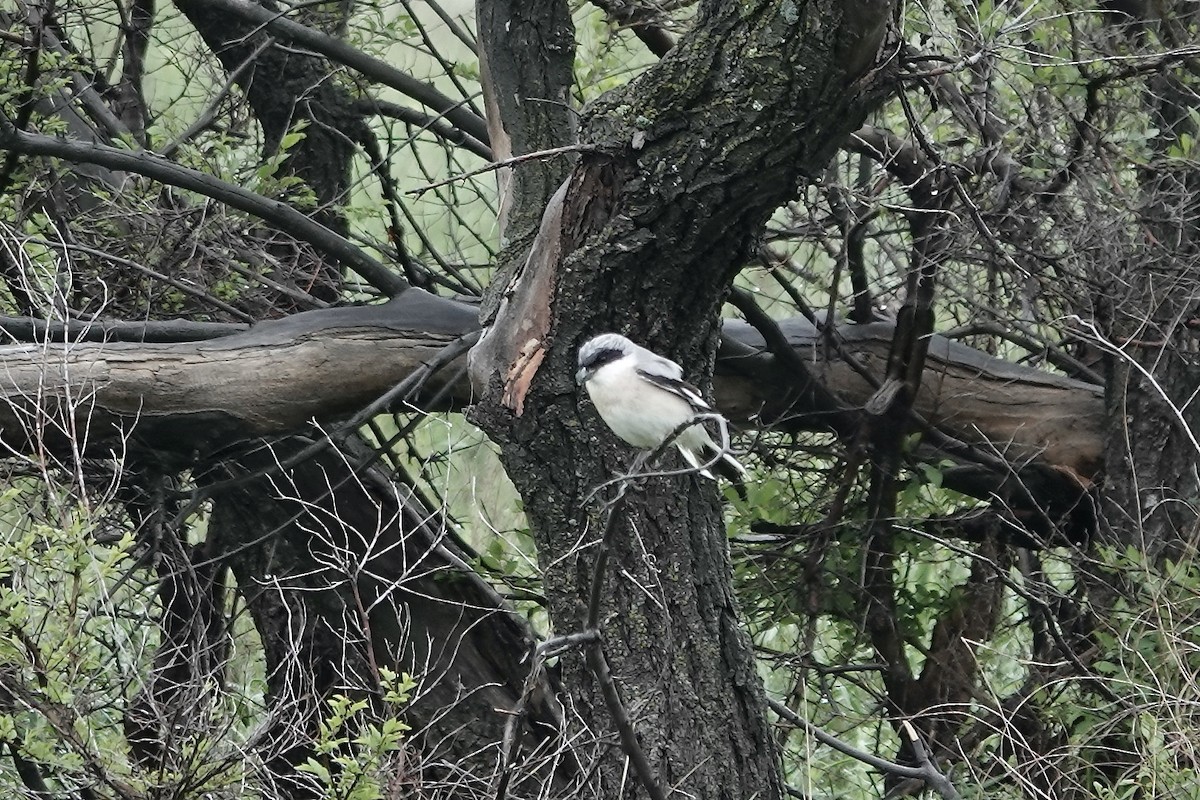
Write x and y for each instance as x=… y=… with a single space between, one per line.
x=1153 y=371
x=689 y=161
x=1153 y=423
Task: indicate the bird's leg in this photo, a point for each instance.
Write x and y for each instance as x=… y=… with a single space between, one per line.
x=624 y=479
x=649 y=456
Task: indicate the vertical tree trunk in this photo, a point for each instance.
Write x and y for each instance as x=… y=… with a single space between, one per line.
x=526 y=58
x=1154 y=352
x=644 y=238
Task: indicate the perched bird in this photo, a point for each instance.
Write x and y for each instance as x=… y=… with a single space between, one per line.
x=641 y=396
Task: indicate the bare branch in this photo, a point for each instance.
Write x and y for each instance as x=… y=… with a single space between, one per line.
x=435 y=125
x=278 y=213
x=274 y=22
x=642 y=20
x=926 y=772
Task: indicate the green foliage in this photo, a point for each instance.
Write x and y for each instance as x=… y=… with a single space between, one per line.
x=268 y=180
x=355 y=747
x=76 y=655
x=63 y=647
x=604 y=58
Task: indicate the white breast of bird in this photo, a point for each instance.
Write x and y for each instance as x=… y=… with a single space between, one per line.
x=639 y=413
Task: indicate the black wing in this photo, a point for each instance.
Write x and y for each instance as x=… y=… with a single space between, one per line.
x=677 y=387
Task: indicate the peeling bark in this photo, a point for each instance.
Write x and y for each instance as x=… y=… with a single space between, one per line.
x=686 y=164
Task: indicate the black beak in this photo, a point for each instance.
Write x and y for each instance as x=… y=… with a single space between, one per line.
x=582 y=376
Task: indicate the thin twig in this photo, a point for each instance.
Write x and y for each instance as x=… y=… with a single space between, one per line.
x=630 y=745
x=653 y=455
x=514 y=731
x=426 y=122
x=870 y=759
x=1117 y=351
x=209 y=114
x=507 y=162
x=594 y=644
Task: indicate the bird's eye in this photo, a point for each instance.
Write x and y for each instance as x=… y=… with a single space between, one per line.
x=601 y=357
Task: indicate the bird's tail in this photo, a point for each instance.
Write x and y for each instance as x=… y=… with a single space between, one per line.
x=732 y=470
x=726 y=465
x=730 y=467
x=694 y=462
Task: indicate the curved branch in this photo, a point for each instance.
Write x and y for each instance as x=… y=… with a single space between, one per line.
x=870 y=759
x=435 y=125
x=375 y=69
x=927 y=772
x=279 y=214
x=642 y=19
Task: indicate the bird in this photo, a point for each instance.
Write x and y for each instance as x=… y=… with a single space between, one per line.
x=643 y=399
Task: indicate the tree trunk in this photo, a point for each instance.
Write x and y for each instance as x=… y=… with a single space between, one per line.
x=526 y=58
x=344 y=573
x=1153 y=355
x=673 y=181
